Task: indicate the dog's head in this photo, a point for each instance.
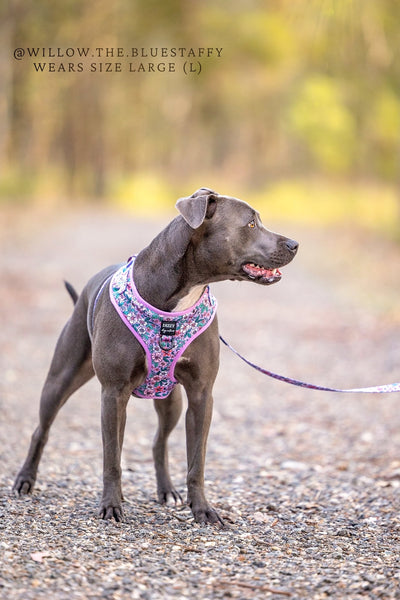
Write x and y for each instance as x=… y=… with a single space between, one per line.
x=238 y=244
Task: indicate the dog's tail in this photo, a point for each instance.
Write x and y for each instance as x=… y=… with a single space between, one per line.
x=71 y=291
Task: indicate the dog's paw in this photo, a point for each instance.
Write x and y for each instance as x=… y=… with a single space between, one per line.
x=23 y=484
x=111 y=512
x=170 y=497
x=207 y=515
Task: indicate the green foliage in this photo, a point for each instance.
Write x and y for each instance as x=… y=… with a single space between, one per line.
x=301 y=89
x=266 y=37
x=384 y=125
x=16 y=186
x=323 y=203
x=323 y=122
x=142 y=193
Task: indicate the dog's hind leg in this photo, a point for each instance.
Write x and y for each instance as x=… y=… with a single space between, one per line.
x=168 y=411
x=71 y=367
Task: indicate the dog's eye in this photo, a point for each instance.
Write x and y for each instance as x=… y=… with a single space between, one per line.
x=252 y=224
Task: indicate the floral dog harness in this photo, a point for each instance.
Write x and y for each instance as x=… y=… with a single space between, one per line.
x=163 y=335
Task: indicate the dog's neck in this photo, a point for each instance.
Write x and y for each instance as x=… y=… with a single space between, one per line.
x=163 y=274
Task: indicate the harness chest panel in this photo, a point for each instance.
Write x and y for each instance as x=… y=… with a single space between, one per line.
x=164 y=336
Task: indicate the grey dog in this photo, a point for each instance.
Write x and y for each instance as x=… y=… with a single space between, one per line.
x=214 y=238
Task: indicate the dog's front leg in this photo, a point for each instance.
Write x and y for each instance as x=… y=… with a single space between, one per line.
x=198 y=420
x=113 y=419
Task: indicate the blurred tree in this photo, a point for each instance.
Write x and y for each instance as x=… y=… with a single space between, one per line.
x=310 y=85
x=323 y=121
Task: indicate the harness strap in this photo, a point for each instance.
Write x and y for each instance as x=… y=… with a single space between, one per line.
x=97 y=299
x=378 y=389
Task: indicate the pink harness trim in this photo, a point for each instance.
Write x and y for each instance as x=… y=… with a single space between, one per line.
x=163 y=335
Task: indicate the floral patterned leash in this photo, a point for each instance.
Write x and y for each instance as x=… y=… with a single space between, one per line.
x=378 y=389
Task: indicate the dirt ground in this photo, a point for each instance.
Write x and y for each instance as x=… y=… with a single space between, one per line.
x=307 y=482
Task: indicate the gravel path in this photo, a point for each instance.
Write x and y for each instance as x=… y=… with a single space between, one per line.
x=307 y=482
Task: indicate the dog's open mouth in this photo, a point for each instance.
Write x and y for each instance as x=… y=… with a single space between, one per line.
x=261 y=274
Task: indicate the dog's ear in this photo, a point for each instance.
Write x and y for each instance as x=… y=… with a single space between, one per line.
x=197 y=207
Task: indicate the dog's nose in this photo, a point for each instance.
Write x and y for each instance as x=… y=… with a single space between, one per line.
x=292 y=245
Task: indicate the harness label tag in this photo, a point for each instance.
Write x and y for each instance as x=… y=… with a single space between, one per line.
x=168 y=328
